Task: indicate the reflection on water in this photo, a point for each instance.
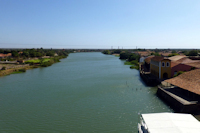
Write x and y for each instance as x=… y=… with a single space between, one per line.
x=87 y=92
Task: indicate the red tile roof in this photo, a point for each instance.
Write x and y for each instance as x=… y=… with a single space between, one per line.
x=194 y=64
x=148 y=59
x=5 y=55
x=176 y=57
x=157 y=58
x=174 y=64
x=189 y=81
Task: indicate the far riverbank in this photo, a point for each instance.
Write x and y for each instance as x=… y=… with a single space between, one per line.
x=29 y=64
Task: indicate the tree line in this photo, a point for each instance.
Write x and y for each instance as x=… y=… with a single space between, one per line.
x=40 y=52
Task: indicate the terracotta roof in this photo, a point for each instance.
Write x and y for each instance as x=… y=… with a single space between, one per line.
x=194 y=64
x=174 y=64
x=148 y=59
x=5 y=55
x=176 y=57
x=144 y=53
x=157 y=58
x=165 y=53
x=189 y=81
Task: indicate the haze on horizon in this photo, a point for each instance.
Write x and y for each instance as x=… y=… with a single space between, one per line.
x=99 y=24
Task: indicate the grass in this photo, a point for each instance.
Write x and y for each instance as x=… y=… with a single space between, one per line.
x=134 y=67
x=38 y=61
x=127 y=63
x=16 y=72
x=134 y=64
x=46 y=60
x=33 y=61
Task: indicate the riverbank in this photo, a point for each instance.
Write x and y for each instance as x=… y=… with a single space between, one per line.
x=30 y=64
x=15 y=70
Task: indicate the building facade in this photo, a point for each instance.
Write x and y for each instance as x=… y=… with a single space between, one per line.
x=160 y=67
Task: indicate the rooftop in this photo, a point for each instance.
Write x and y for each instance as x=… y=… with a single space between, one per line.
x=171 y=123
x=158 y=58
x=176 y=57
x=188 y=80
x=148 y=59
x=194 y=64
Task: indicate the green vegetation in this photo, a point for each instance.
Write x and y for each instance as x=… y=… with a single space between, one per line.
x=22 y=70
x=156 y=54
x=106 y=52
x=33 y=61
x=134 y=67
x=173 y=54
x=16 y=72
x=124 y=55
x=178 y=73
x=44 y=62
x=193 y=53
x=134 y=64
x=32 y=53
x=3 y=68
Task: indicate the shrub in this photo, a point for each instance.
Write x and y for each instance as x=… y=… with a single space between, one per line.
x=22 y=70
x=124 y=55
x=134 y=67
x=178 y=73
x=3 y=68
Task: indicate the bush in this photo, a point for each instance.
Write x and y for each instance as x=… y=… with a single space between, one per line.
x=3 y=68
x=22 y=70
x=133 y=57
x=106 y=52
x=124 y=55
x=178 y=73
x=46 y=64
x=134 y=67
x=193 y=53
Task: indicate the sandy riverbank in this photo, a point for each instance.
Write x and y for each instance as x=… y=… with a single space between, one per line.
x=15 y=69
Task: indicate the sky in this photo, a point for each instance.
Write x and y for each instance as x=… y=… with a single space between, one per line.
x=100 y=24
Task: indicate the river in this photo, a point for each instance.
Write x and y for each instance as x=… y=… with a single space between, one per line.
x=86 y=92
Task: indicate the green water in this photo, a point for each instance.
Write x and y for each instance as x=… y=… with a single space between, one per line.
x=86 y=92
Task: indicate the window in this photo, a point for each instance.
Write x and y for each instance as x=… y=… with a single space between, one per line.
x=167 y=64
x=163 y=64
x=175 y=72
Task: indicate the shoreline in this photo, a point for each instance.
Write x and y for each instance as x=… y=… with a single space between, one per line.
x=17 y=70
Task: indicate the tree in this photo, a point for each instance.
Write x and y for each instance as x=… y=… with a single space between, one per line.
x=134 y=57
x=117 y=51
x=106 y=52
x=50 y=53
x=15 y=54
x=173 y=51
x=193 y=53
x=26 y=54
x=124 y=55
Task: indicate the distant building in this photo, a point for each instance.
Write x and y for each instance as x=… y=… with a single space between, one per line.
x=5 y=55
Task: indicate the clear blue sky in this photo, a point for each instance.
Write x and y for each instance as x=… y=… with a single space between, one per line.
x=99 y=23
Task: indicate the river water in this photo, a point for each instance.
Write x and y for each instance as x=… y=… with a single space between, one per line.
x=86 y=92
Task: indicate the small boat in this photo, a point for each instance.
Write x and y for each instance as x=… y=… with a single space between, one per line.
x=168 y=123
